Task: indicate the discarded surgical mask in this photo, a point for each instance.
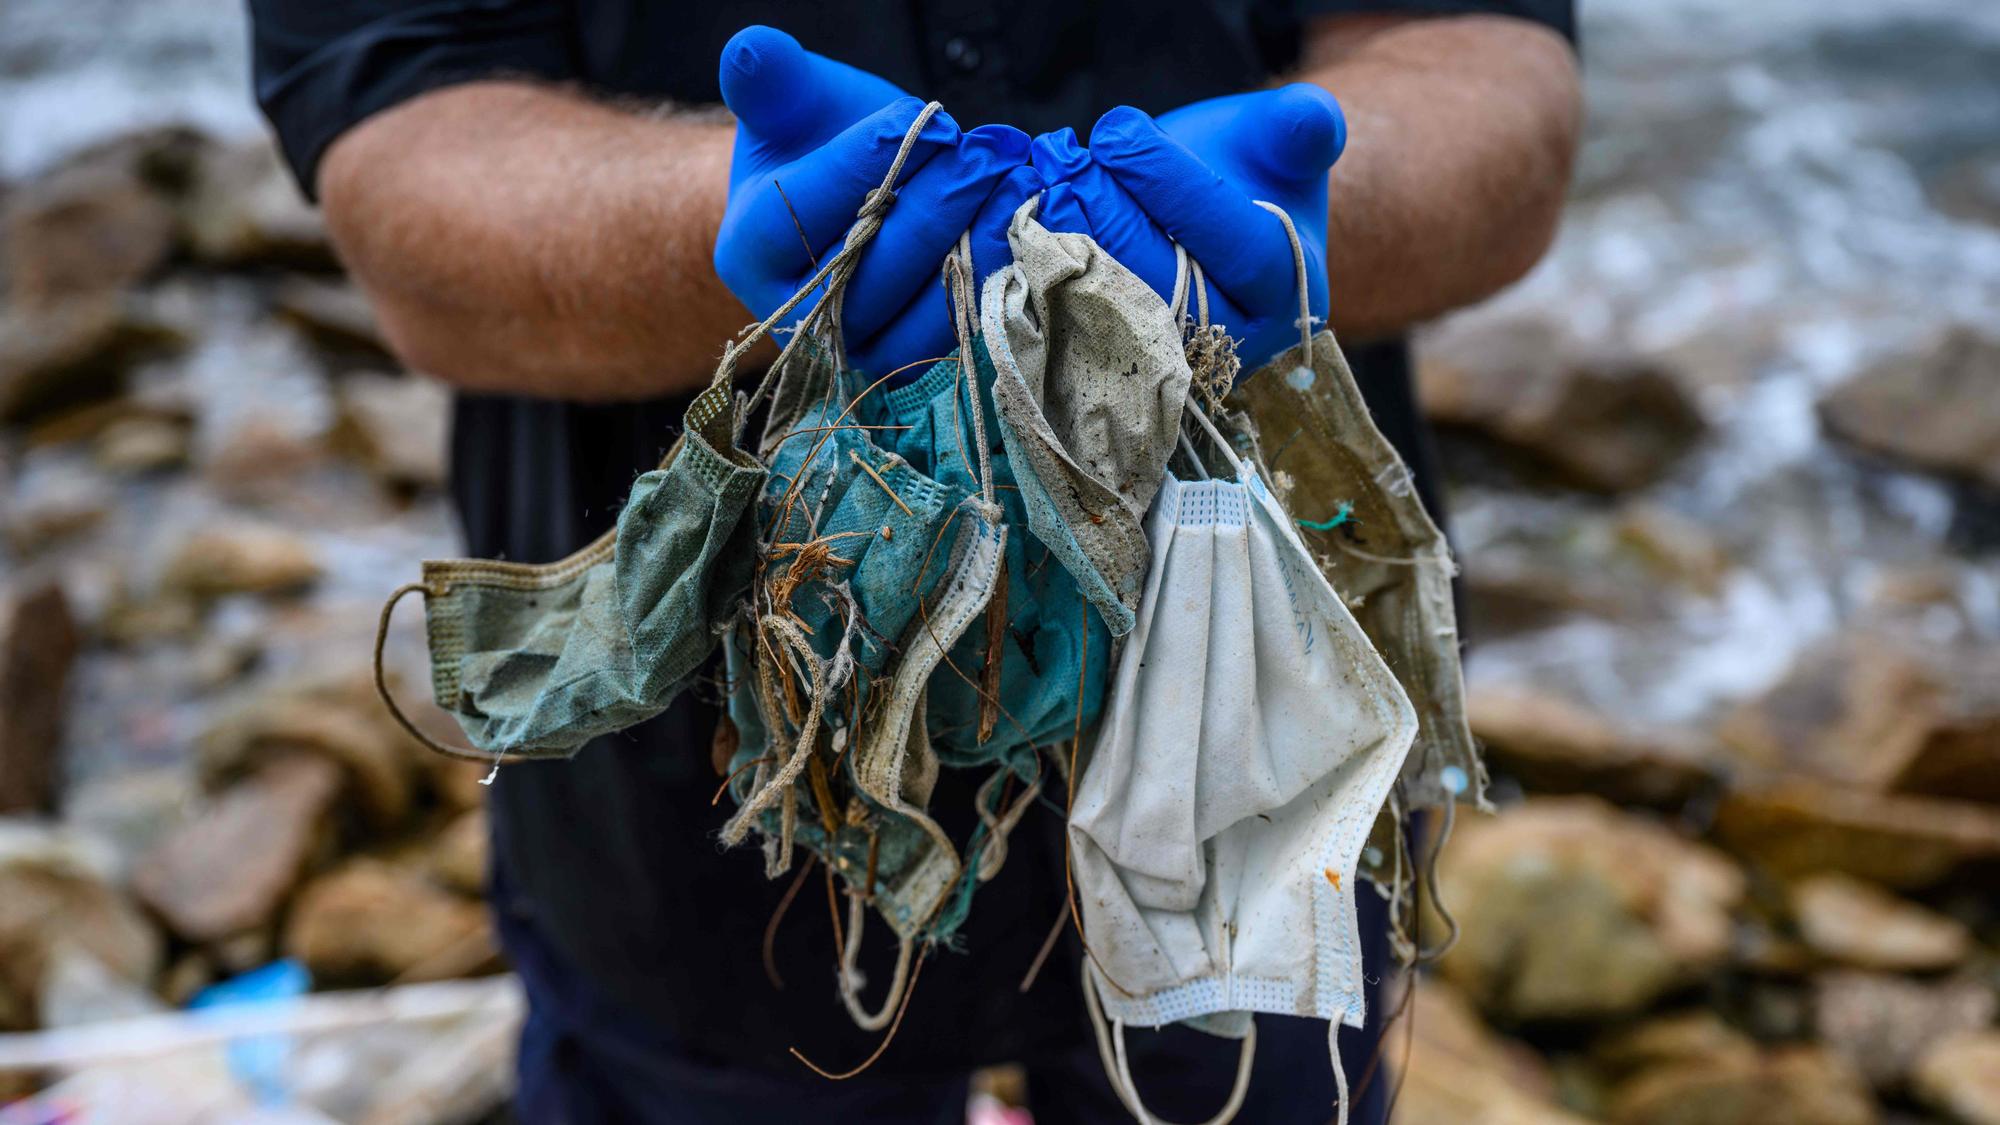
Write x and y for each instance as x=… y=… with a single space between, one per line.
x=1052 y=648
x=1359 y=514
x=1354 y=503
x=1251 y=736
x=534 y=661
x=1090 y=378
x=898 y=625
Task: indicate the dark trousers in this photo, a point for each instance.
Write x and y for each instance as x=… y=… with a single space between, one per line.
x=581 y=1064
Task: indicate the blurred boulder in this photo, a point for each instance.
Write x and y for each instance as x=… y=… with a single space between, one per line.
x=334 y=315
x=38 y=644
x=241 y=208
x=1936 y=411
x=1883 y=1024
x=1595 y=421
x=1697 y=1037
x=397 y=427
x=1790 y=1085
x=83 y=233
x=228 y=871
x=142 y=444
x=1859 y=924
x=1552 y=745
x=1675 y=547
x=79 y=988
x=1959 y=1077
x=47 y=509
x=458 y=855
x=1456 y=1072
x=241 y=558
x=1571 y=909
x=1515 y=595
x=1959 y=756
x=95 y=224
x=1799 y=827
x=369 y=921
x=74 y=352
x=52 y=893
x=322 y=721
x=1854 y=711
x=257 y=455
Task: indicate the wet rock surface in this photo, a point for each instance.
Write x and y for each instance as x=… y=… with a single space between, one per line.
x=1857 y=923
x=228 y=871
x=1959 y=1077
x=1601 y=422
x=1935 y=411
x=372 y=922
x=38 y=644
x=1569 y=909
x=53 y=893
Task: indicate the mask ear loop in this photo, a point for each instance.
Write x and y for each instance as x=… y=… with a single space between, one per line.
x=994 y=855
x=1305 y=321
x=396 y=711
x=1117 y=1068
x=958 y=277
x=1177 y=308
x=850 y=986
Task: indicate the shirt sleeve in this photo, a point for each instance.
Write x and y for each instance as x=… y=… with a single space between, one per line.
x=322 y=66
x=1558 y=15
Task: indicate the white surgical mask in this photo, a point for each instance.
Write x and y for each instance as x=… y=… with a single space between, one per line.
x=1251 y=736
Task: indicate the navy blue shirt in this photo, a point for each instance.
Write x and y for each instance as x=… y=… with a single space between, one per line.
x=610 y=860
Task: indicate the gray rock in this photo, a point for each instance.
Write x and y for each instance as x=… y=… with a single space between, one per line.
x=1936 y=412
x=228 y=871
x=1601 y=422
x=38 y=644
x=74 y=352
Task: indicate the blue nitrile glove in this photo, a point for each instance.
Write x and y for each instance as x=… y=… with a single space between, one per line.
x=1193 y=174
x=813 y=138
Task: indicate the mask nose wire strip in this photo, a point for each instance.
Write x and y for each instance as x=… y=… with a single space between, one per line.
x=396 y=711
x=1111 y=1051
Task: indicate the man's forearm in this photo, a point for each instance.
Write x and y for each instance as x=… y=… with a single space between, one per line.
x=518 y=238
x=1460 y=135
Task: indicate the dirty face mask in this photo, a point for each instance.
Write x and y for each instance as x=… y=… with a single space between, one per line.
x=1251 y=735
x=1357 y=510
x=1089 y=378
x=1251 y=738
x=904 y=563
x=1042 y=653
x=534 y=661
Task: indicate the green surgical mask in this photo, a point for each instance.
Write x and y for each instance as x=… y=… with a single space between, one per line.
x=534 y=661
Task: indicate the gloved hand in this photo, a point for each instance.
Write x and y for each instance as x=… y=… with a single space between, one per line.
x=813 y=138
x=1191 y=177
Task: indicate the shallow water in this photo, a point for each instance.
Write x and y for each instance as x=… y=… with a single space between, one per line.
x=1773 y=196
